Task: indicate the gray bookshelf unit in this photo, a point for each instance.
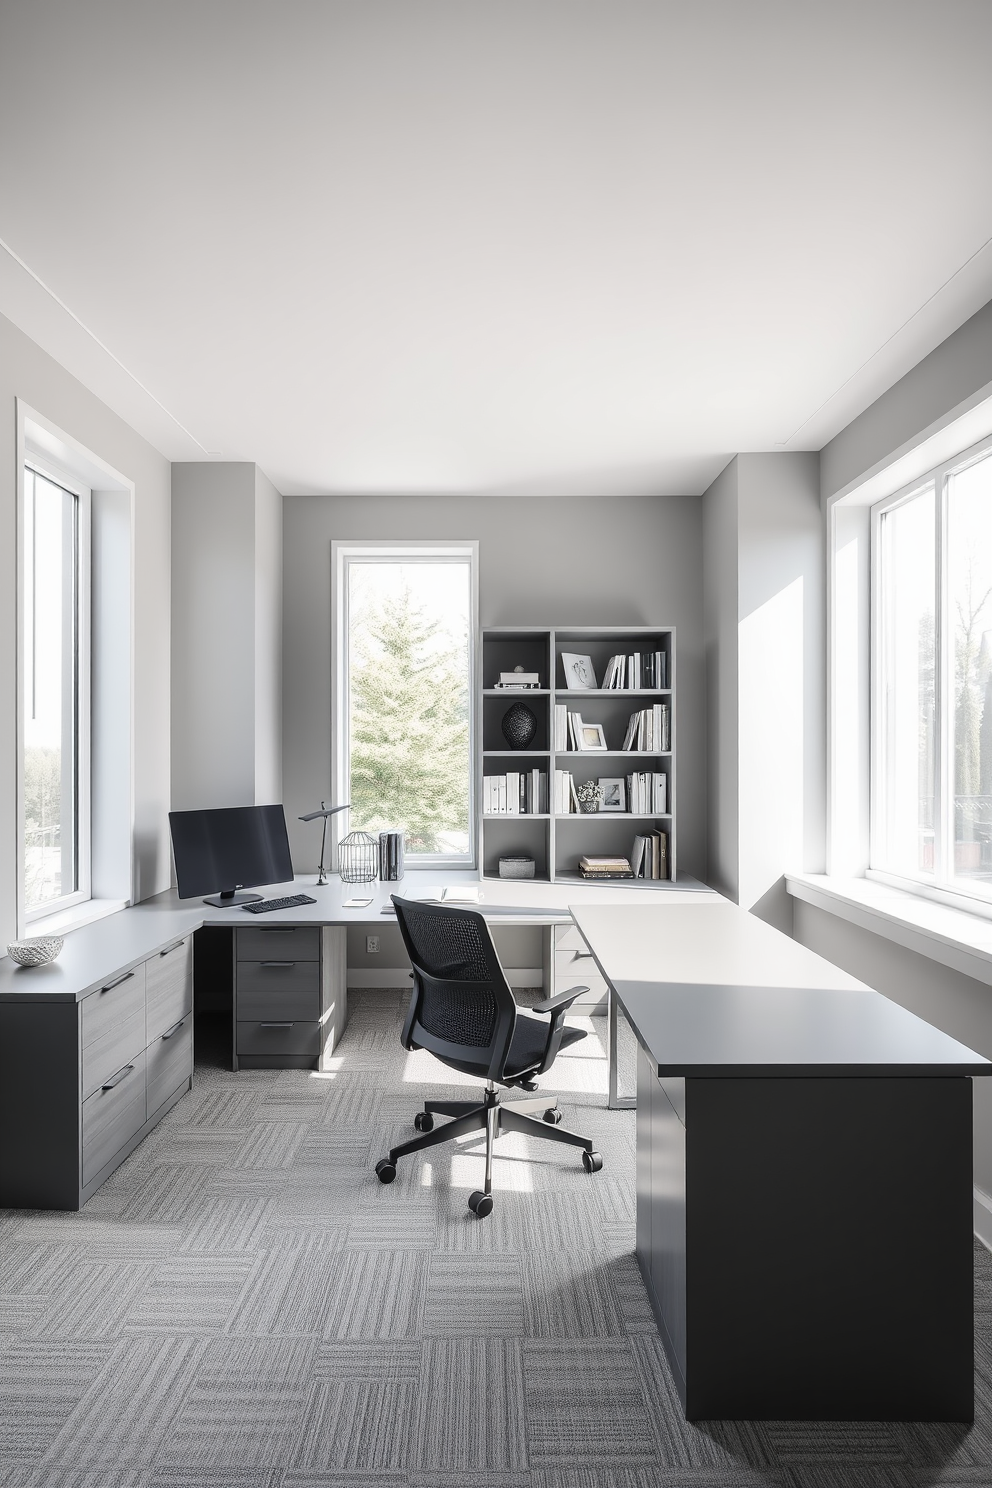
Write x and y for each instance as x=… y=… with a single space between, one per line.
x=556 y=842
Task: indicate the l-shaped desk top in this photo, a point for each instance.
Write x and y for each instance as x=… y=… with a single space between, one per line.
x=122 y=940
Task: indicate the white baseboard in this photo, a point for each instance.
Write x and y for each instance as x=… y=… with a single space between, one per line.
x=399 y=976
x=983 y=1218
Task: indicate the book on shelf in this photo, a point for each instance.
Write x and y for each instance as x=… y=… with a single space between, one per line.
x=605 y=867
x=517 y=793
x=564 y=800
x=649 y=730
x=518 y=681
x=647 y=793
x=649 y=855
x=642 y=671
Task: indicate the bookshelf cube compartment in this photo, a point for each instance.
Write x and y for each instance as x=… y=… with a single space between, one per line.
x=504 y=651
x=493 y=711
x=514 y=837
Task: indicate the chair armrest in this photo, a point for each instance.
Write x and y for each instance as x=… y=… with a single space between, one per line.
x=560 y=1000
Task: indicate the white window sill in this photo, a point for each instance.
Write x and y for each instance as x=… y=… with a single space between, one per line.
x=953 y=937
x=71 y=919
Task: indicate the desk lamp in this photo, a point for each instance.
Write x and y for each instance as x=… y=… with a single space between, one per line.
x=325 y=812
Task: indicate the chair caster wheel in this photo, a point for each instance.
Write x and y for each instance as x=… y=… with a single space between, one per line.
x=592 y=1161
x=385 y=1170
x=552 y=1116
x=527 y=1084
x=480 y=1204
x=424 y=1121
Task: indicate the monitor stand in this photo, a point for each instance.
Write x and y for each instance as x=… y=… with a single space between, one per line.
x=231 y=896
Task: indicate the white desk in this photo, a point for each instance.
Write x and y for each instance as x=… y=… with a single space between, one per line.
x=804 y=1173
x=77 y=1120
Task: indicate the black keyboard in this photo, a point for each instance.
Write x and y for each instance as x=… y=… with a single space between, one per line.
x=262 y=906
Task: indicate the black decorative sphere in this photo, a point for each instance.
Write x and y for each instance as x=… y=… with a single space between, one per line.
x=519 y=726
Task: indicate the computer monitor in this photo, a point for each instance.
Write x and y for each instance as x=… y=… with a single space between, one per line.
x=228 y=849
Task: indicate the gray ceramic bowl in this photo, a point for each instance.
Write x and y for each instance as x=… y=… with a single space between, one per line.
x=37 y=950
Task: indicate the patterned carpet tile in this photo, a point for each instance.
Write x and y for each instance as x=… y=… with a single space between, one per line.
x=171 y=1193
x=585 y=1405
x=229 y=1224
x=189 y=1295
x=453 y=1434
x=94 y=1305
x=290 y=1291
x=475 y=1297
x=271 y=1144
x=40 y=1385
x=380 y=1294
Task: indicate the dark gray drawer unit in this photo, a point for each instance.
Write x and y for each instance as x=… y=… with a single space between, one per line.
x=81 y=1082
x=289 y=995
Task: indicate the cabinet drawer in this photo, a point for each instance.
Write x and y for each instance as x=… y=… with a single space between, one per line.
x=118 y=1046
x=169 y=1063
x=278 y=976
x=114 y=1004
x=567 y=938
x=278 y=1039
x=111 y=1116
x=279 y=1003
x=279 y=943
x=168 y=987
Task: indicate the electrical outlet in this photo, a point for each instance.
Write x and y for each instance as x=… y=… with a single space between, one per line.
x=371 y=944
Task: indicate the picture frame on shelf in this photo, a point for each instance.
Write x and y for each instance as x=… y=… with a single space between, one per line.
x=614 y=788
x=580 y=674
x=590 y=737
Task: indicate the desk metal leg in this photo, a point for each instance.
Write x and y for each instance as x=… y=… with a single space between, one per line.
x=616 y=1101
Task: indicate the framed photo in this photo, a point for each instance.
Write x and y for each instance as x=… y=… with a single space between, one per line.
x=614 y=789
x=580 y=675
x=591 y=736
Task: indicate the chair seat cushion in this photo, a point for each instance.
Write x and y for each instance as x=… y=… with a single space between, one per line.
x=530 y=1039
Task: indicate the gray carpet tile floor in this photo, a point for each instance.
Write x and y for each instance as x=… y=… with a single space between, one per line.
x=243 y=1305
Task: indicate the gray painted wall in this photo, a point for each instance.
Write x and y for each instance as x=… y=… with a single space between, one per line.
x=955 y=1003
x=953 y=371
x=29 y=373
x=720 y=612
x=226 y=636
x=543 y=561
x=764 y=617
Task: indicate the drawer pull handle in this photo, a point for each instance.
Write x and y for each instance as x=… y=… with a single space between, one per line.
x=169 y=949
x=277 y=963
x=116 y=1079
x=275 y=1025
x=277 y=929
x=174 y=1029
x=111 y=985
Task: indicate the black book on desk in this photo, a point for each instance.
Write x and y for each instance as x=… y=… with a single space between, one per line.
x=391 y=866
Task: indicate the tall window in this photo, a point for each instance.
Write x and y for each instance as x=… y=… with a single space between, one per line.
x=55 y=630
x=405 y=649
x=932 y=696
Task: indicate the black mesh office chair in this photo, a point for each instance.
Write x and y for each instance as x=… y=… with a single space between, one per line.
x=463 y=1011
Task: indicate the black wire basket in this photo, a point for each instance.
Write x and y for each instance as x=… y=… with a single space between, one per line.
x=358 y=858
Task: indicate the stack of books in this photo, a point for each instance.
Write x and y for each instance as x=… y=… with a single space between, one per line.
x=518 y=681
x=646 y=670
x=517 y=793
x=604 y=867
x=649 y=855
x=647 y=794
x=391 y=851
x=649 y=730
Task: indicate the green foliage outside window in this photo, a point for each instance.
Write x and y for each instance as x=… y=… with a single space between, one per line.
x=409 y=725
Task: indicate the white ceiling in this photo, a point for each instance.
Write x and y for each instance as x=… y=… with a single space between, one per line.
x=544 y=246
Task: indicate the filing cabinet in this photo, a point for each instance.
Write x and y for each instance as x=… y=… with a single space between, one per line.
x=290 y=995
x=574 y=966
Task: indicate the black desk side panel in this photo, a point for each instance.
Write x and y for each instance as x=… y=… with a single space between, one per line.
x=830 y=1251
x=39 y=1105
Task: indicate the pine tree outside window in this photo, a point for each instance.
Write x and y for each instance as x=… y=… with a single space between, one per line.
x=403 y=694
x=932 y=679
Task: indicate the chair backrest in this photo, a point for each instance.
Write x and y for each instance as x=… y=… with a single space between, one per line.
x=462 y=1007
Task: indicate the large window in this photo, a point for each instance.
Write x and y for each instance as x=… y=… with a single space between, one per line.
x=932 y=669
x=55 y=709
x=404 y=690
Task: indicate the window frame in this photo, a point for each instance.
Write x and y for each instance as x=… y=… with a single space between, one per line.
x=343 y=552
x=940 y=884
x=70 y=482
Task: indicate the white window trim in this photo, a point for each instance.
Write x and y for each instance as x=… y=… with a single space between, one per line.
x=940 y=885
x=454 y=550
x=41 y=443
x=66 y=480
